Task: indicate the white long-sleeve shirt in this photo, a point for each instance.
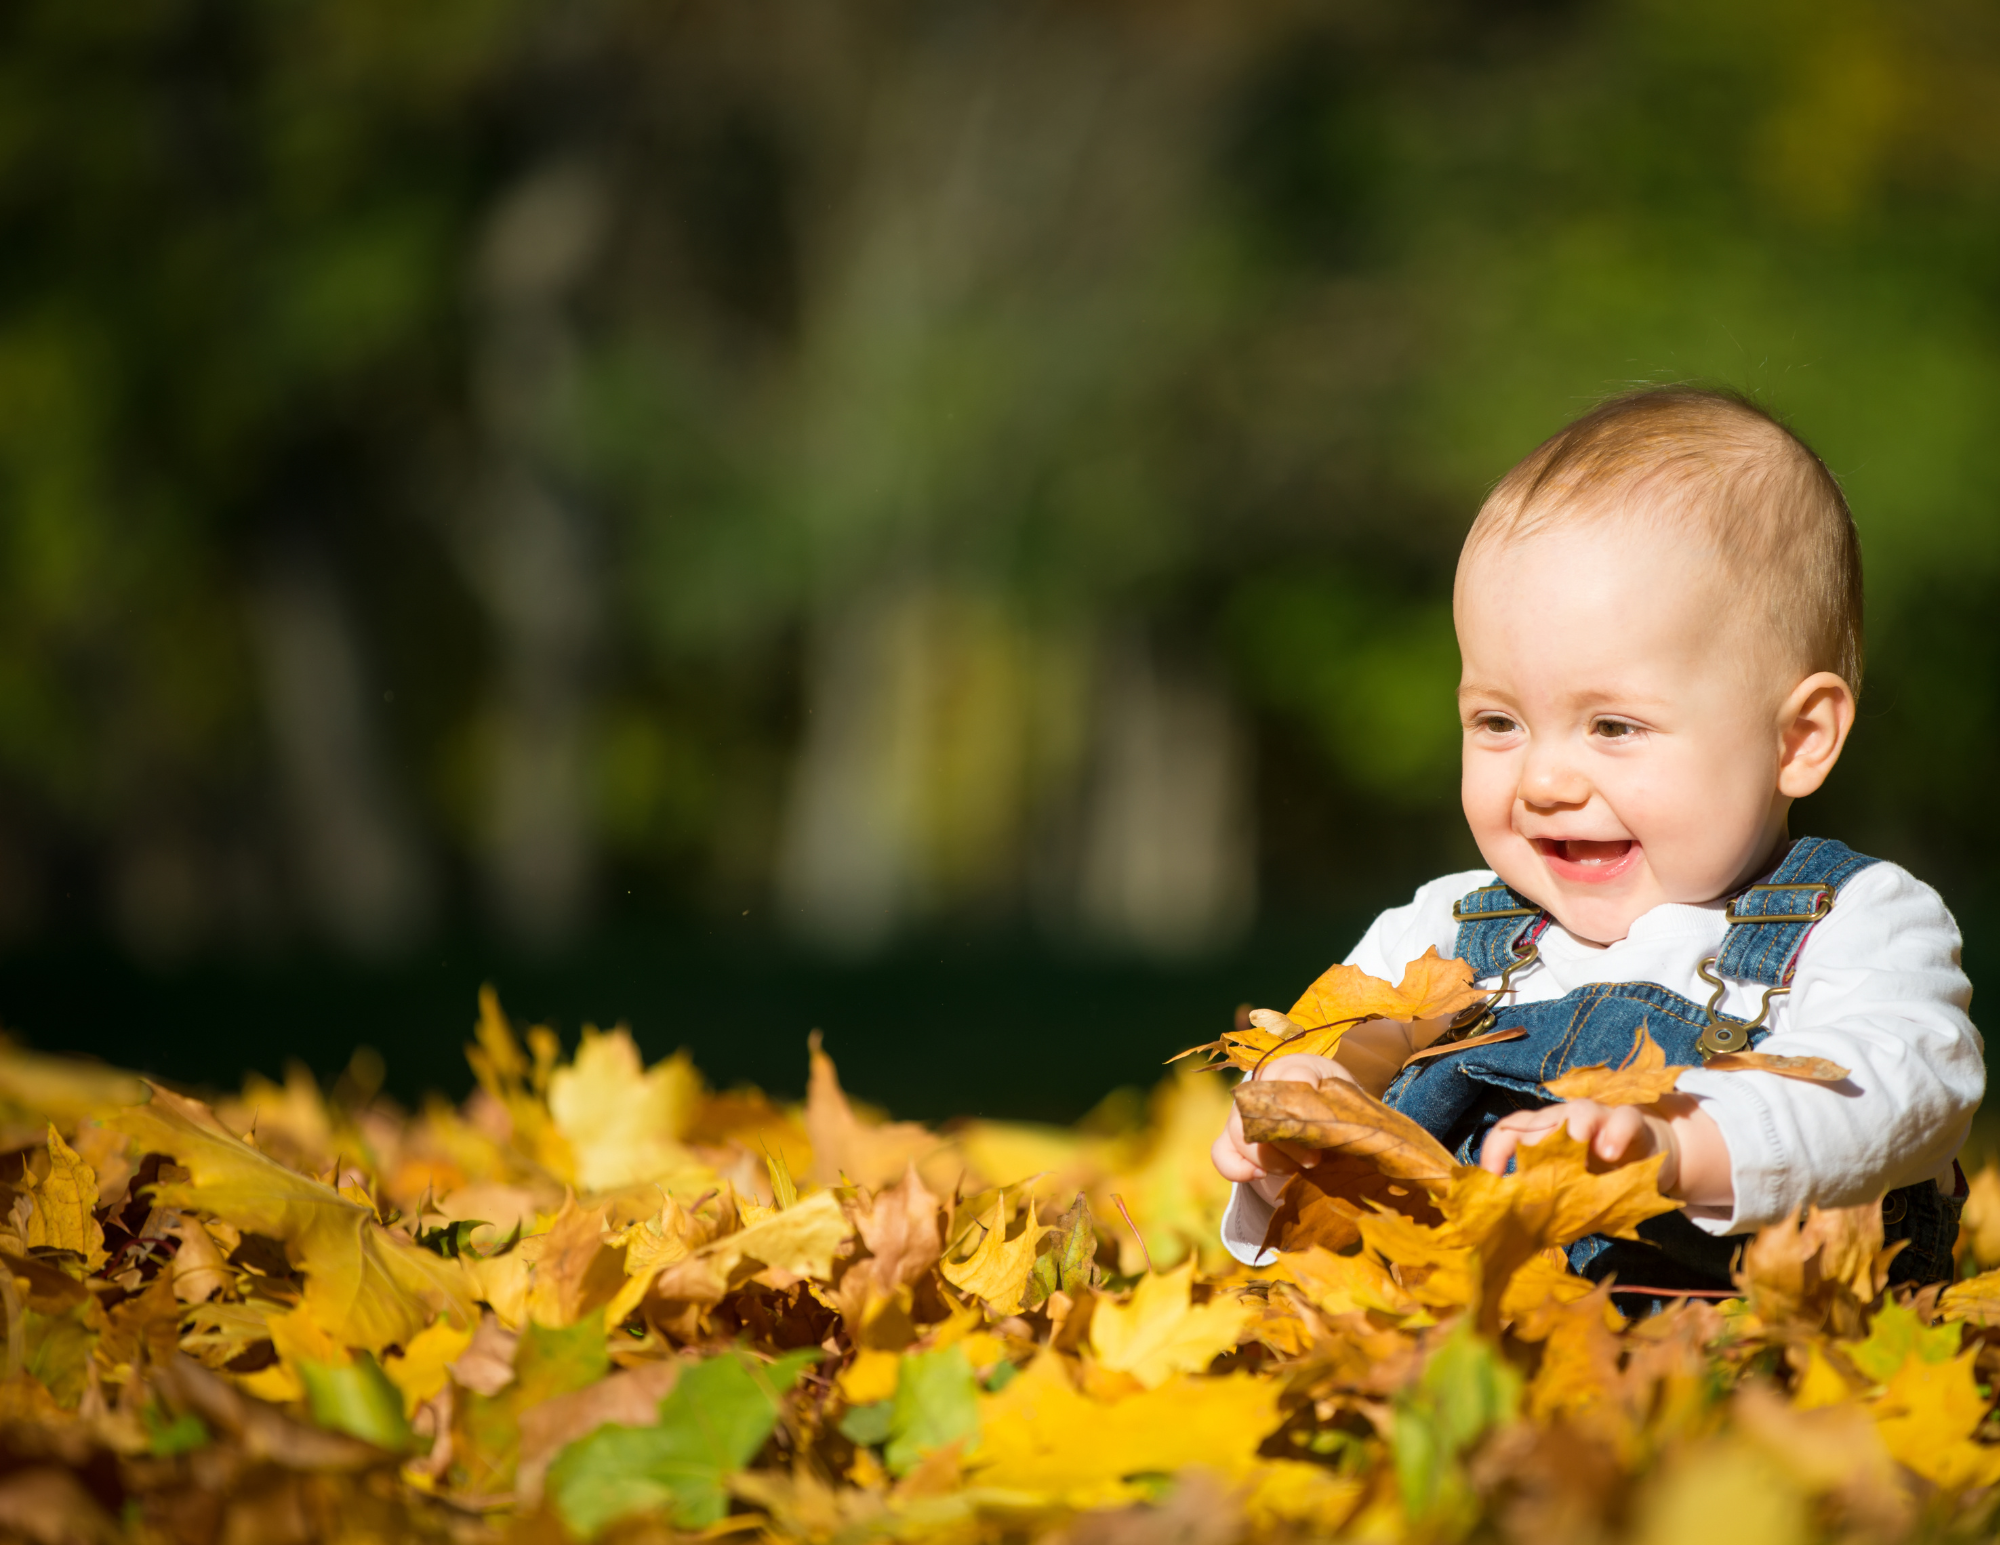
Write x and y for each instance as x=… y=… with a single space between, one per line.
x=1878 y=990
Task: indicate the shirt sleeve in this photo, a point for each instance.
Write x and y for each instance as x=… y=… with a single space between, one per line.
x=1396 y=937
x=1878 y=990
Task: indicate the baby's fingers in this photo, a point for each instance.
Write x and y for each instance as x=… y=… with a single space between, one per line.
x=1615 y=1134
x=1510 y=1132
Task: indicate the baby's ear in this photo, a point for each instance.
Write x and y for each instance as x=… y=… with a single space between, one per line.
x=1813 y=726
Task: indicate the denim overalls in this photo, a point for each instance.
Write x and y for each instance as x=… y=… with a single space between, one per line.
x=1458 y=1096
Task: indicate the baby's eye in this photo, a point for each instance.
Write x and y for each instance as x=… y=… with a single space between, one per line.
x=1495 y=724
x=1614 y=729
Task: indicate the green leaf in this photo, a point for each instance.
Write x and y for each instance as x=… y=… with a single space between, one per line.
x=452 y=1240
x=168 y=1436
x=1895 y=1336
x=712 y=1423
x=936 y=1403
x=784 y=1189
x=556 y=1359
x=867 y=1426
x=357 y=1399
x=59 y=1348
x=1466 y=1389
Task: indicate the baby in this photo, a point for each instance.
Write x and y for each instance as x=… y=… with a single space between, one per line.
x=1659 y=618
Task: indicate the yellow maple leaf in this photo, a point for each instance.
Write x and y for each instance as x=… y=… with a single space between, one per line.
x=1347 y=1284
x=623 y=1121
x=1039 y=1436
x=364 y=1285
x=1554 y=1196
x=1641 y=1079
x=424 y=1366
x=1344 y=996
x=1162 y=1332
x=998 y=1270
x=1926 y=1415
x=64 y=1201
x=801 y=1241
x=1976 y=1299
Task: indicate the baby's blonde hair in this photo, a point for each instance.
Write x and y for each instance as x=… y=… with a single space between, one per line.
x=1711 y=465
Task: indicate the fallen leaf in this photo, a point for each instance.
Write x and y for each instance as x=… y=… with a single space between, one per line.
x=577 y=1270
x=715 y=1418
x=64 y=1202
x=999 y=1269
x=364 y=1284
x=1319 y=1206
x=626 y=1398
x=1641 y=1079
x=623 y=1121
x=1042 y=1439
x=1161 y=1332
x=899 y=1228
x=1927 y=1413
x=845 y=1148
x=423 y=1368
x=800 y=1241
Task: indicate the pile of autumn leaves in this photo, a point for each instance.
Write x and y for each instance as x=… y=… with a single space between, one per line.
x=599 y=1301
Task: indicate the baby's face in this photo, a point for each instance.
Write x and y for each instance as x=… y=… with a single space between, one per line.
x=1623 y=732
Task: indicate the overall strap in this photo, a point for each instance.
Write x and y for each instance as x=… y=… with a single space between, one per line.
x=1769 y=921
x=1494 y=923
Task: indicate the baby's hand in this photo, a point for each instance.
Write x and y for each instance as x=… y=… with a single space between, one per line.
x=1615 y=1134
x=1264 y=1167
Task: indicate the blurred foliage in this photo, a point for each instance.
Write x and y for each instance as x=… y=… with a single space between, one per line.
x=597 y=366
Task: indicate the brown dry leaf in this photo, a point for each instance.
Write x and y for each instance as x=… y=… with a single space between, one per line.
x=1641 y=1079
x=1813 y=1070
x=199 y=1272
x=899 y=1227
x=577 y=1269
x=845 y=1149
x=1339 y=1118
x=1830 y=1265
x=1319 y=1205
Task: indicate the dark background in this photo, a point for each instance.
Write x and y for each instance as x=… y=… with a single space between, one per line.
x=932 y=521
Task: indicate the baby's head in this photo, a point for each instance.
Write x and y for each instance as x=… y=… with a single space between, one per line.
x=1659 y=614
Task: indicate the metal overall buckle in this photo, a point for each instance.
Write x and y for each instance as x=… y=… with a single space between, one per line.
x=1822 y=904
x=1478 y=1019
x=1721 y=1035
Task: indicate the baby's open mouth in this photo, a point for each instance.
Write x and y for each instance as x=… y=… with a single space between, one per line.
x=1579 y=859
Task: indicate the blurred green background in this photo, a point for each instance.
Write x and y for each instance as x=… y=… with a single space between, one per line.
x=929 y=520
